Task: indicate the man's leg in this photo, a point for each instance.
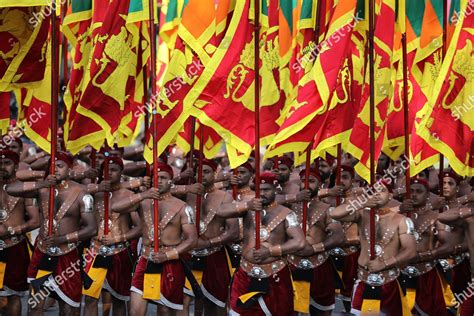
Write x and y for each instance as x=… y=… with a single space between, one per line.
x=166 y=311
x=14 y=305
x=212 y=309
x=36 y=302
x=138 y=305
x=91 y=307
x=106 y=303
x=68 y=310
x=119 y=307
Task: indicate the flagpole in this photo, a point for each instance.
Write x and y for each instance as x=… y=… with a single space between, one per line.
x=310 y=146
x=106 y=194
x=405 y=115
x=54 y=108
x=155 y=99
x=65 y=68
x=338 y=170
x=199 y=178
x=256 y=31
x=372 y=121
x=145 y=94
x=445 y=48
x=191 y=145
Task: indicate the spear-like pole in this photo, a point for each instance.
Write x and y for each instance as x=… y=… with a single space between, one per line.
x=256 y=31
x=445 y=49
x=405 y=115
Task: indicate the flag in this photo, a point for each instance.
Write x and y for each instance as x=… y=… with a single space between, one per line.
x=25 y=3
x=359 y=144
x=23 y=36
x=315 y=87
x=448 y=124
x=4 y=112
x=212 y=141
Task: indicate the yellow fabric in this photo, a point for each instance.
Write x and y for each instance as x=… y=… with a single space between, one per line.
x=301 y=296
x=229 y=263
x=152 y=286
x=42 y=273
x=405 y=308
x=410 y=297
x=197 y=276
x=245 y=297
x=447 y=292
x=3 y=266
x=98 y=277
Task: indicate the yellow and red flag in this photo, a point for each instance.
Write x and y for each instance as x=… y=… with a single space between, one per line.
x=23 y=37
x=212 y=141
x=358 y=145
x=448 y=123
x=4 y=112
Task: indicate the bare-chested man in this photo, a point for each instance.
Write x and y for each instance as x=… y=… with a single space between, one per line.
x=431 y=243
x=264 y=271
x=463 y=217
x=177 y=235
x=282 y=167
x=112 y=251
x=57 y=254
x=311 y=269
x=14 y=254
x=395 y=246
x=210 y=255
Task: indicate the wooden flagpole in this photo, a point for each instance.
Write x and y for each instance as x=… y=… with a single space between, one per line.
x=256 y=31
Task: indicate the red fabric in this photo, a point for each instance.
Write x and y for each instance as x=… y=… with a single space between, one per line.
x=461 y=276
x=349 y=273
x=119 y=276
x=172 y=279
x=216 y=275
x=323 y=287
x=18 y=259
x=429 y=294
x=390 y=298
x=279 y=299
x=467 y=306
x=68 y=266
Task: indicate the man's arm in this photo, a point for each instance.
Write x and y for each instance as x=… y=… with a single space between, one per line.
x=190 y=237
x=130 y=202
x=407 y=251
x=347 y=212
x=31 y=223
x=30 y=189
x=445 y=245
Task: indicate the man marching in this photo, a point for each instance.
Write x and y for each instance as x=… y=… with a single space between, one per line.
x=160 y=276
x=109 y=260
x=14 y=254
x=55 y=259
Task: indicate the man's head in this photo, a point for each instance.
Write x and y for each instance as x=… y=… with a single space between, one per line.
x=244 y=175
x=209 y=168
x=8 y=164
x=165 y=177
x=115 y=169
x=324 y=169
x=419 y=191
x=347 y=177
x=383 y=193
x=383 y=164
x=16 y=145
x=450 y=184
x=64 y=162
x=282 y=168
x=268 y=183
x=314 y=179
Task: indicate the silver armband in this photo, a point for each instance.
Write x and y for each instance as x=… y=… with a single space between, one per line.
x=410 y=226
x=292 y=220
x=88 y=203
x=189 y=214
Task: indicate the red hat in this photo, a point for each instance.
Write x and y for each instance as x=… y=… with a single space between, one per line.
x=116 y=160
x=165 y=168
x=312 y=172
x=209 y=162
x=18 y=140
x=248 y=166
x=451 y=174
x=418 y=180
x=66 y=157
x=283 y=160
x=9 y=154
x=268 y=177
x=387 y=184
x=349 y=169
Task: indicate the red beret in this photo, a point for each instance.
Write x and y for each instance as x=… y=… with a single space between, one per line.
x=209 y=162
x=268 y=177
x=349 y=169
x=18 y=140
x=451 y=174
x=66 y=157
x=312 y=172
x=387 y=184
x=418 y=180
x=283 y=160
x=248 y=166
x=116 y=160
x=165 y=168
x=8 y=154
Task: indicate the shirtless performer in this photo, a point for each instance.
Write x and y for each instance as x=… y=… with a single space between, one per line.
x=463 y=217
x=312 y=271
x=14 y=254
x=395 y=246
x=431 y=243
x=177 y=236
x=112 y=251
x=264 y=270
x=215 y=232
x=57 y=255
x=282 y=167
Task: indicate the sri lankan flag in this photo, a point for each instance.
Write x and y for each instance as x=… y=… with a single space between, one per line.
x=359 y=145
x=4 y=112
x=169 y=23
x=212 y=141
x=314 y=90
x=23 y=37
x=448 y=124
x=24 y=3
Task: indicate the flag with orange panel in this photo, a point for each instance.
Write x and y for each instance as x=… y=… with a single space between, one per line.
x=448 y=124
x=314 y=89
x=4 y=112
x=212 y=141
x=23 y=36
x=359 y=144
